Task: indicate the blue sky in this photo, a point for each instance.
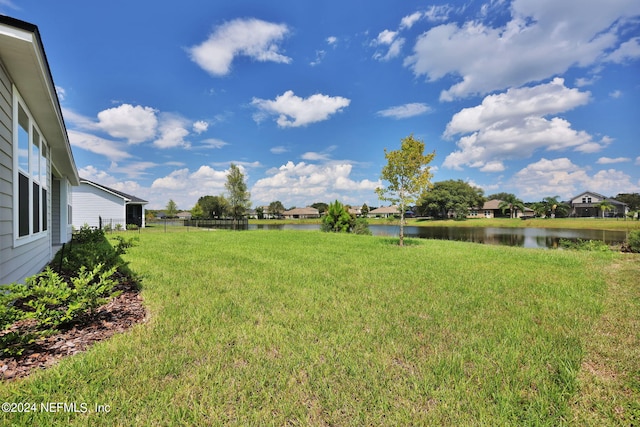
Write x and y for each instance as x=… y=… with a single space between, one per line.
x=534 y=97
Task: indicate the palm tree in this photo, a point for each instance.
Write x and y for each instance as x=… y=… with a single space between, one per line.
x=552 y=206
x=512 y=203
x=605 y=205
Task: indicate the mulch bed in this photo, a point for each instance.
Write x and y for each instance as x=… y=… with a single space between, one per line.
x=120 y=314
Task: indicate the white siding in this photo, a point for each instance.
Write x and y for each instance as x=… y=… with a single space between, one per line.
x=16 y=262
x=90 y=203
x=590 y=198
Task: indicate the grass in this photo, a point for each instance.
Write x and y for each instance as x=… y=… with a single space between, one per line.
x=308 y=328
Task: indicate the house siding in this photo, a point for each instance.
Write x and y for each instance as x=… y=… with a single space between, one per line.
x=91 y=203
x=16 y=261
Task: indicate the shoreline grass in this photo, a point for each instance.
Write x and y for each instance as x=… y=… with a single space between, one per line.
x=559 y=223
x=286 y=327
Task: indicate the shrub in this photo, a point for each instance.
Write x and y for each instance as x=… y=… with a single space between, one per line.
x=634 y=241
x=585 y=245
x=338 y=219
x=52 y=300
x=362 y=227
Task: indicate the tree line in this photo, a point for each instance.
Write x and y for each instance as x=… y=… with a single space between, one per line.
x=409 y=187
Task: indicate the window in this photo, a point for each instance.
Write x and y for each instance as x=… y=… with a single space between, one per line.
x=32 y=175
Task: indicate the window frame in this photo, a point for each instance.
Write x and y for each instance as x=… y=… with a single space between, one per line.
x=37 y=178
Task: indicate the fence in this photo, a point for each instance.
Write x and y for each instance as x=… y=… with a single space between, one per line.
x=228 y=224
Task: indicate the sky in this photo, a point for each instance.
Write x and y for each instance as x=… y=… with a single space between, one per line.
x=532 y=97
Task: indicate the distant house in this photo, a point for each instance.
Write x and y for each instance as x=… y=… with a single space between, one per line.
x=184 y=216
x=384 y=212
x=301 y=213
x=37 y=169
x=491 y=209
x=586 y=205
x=98 y=206
x=253 y=213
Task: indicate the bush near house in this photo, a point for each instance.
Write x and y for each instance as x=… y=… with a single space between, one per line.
x=79 y=279
x=634 y=241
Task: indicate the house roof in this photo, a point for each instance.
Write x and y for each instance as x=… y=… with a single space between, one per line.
x=491 y=204
x=593 y=193
x=132 y=200
x=302 y=211
x=600 y=196
x=385 y=210
x=24 y=59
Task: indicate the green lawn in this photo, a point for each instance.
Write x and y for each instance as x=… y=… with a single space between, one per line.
x=309 y=328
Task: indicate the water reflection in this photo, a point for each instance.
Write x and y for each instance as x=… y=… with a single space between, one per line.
x=522 y=237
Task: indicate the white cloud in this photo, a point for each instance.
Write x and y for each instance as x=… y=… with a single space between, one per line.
x=566 y=179
x=303 y=183
x=513 y=105
x=173 y=130
x=110 y=149
x=546 y=36
x=92 y=173
x=61 y=92
x=293 y=111
x=179 y=185
x=332 y=40
x=616 y=94
x=279 y=150
x=134 y=123
x=320 y=54
x=254 y=38
x=627 y=51
x=408 y=21
x=437 y=13
x=390 y=39
x=313 y=156
x=512 y=125
x=132 y=169
x=214 y=143
x=405 y=111
x=200 y=126
x=609 y=160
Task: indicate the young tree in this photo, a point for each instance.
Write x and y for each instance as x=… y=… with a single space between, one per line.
x=338 y=219
x=238 y=195
x=197 y=212
x=172 y=208
x=407 y=174
x=364 y=211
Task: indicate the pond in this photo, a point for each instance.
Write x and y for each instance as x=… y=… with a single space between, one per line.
x=523 y=237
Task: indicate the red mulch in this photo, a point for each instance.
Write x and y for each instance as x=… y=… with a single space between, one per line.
x=120 y=314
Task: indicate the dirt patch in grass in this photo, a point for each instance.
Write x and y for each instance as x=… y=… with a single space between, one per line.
x=119 y=315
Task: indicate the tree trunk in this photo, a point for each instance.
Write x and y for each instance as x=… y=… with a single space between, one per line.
x=402 y=228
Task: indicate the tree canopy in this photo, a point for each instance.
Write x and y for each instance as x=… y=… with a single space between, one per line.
x=238 y=195
x=407 y=175
x=171 y=209
x=451 y=195
x=276 y=208
x=213 y=206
